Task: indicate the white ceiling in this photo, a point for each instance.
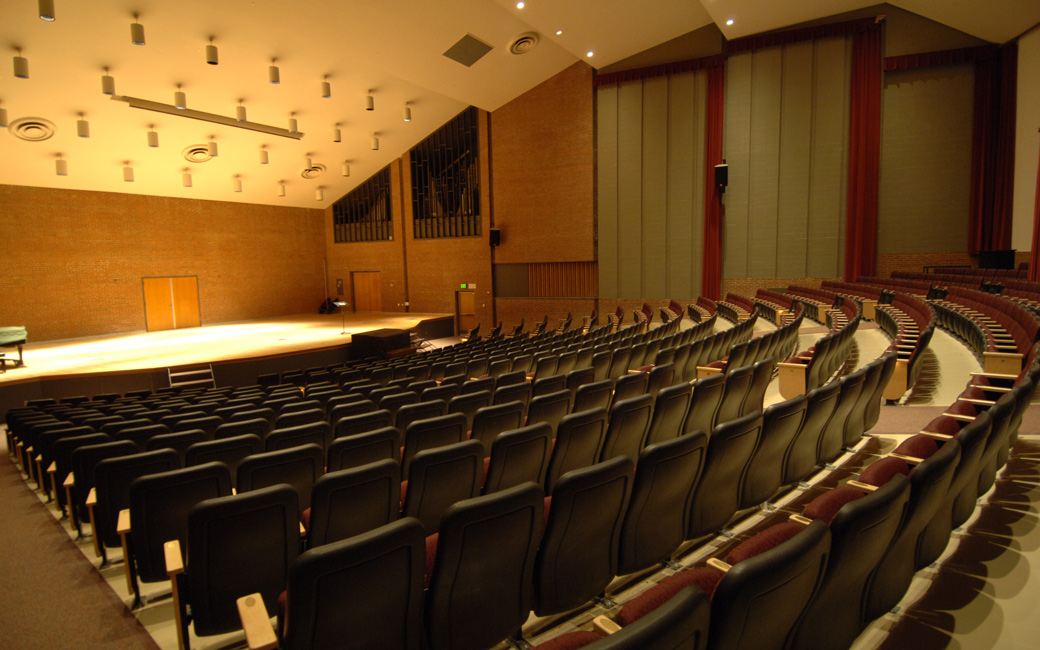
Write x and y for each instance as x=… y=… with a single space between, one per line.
x=392 y=48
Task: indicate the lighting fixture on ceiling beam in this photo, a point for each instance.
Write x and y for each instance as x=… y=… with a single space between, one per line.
x=186 y=178
x=211 y=53
x=346 y=168
x=136 y=32
x=61 y=166
x=319 y=194
x=337 y=135
x=375 y=142
x=21 y=65
x=3 y=117
x=272 y=73
x=263 y=155
x=108 y=83
x=128 y=172
x=307 y=162
x=82 y=127
x=148 y=105
x=211 y=146
x=47 y=13
x=281 y=188
x=153 y=137
x=240 y=112
x=326 y=87
x=180 y=100
x=293 y=126
x=407 y=113
x=237 y=183
x=370 y=102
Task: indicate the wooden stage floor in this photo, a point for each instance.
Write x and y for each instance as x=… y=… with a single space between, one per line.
x=211 y=343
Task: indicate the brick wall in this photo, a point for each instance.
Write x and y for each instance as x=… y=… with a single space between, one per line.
x=915 y=262
x=750 y=286
x=73 y=260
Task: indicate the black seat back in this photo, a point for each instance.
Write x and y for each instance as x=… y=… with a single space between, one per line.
x=354 y=501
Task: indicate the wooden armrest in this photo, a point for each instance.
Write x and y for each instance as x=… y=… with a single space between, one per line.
x=605 y=626
x=716 y=563
x=174 y=561
x=913 y=460
x=256 y=622
x=791 y=365
x=859 y=485
x=92 y=498
x=992 y=375
x=970 y=400
x=1001 y=346
x=995 y=389
x=303 y=531
x=962 y=418
x=70 y=481
x=905 y=346
x=937 y=435
x=123 y=523
x=799 y=519
x=52 y=468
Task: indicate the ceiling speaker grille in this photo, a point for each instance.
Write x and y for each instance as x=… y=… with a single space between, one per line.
x=196 y=153
x=32 y=129
x=313 y=171
x=523 y=43
x=468 y=50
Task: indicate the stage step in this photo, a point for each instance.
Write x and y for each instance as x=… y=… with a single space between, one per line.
x=191 y=376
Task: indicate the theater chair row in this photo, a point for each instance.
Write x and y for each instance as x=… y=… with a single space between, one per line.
x=867 y=296
x=775 y=307
x=815 y=366
x=775 y=345
x=918 y=288
x=910 y=322
x=1000 y=331
x=735 y=308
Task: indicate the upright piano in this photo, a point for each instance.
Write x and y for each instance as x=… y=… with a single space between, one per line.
x=12 y=337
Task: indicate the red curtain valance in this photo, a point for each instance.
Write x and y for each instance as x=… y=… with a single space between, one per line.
x=941 y=57
x=776 y=39
x=662 y=70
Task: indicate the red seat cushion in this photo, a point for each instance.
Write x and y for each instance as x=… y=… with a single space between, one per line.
x=763 y=541
x=882 y=471
x=944 y=424
x=918 y=446
x=569 y=641
x=431 y=555
x=828 y=504
x=706 y=578
x=305 y=519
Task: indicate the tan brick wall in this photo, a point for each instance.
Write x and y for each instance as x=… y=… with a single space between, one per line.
x=73 y=260
x=542 y=150
x=915 y=262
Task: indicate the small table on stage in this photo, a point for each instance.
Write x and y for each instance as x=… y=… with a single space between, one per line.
x=12 y=337
x=378 y=343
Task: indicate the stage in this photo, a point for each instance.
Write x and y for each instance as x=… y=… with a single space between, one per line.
x=239 y=351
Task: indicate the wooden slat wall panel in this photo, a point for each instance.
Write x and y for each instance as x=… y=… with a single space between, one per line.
x=563 y=280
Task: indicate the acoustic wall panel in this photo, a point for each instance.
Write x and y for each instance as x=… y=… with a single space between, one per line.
x=655 y=188
x=685 y=243
x=606 y=182
x=630 y=190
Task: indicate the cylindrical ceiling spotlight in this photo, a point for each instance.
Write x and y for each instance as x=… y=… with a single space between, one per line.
x=337 y=135
x=375 y=142
x=108 y=84
x=293 y=127
x=128 y=172
x=21 y=65
x=136 y=32
x=82 y=127
x=407 y=113
x=370 y=102
x=263 y=156
x=307 y=162
x=326 y=88
x=47 y=13
x=281 y=188
x=186 y=178
x=240 y=112
x=61 y=166
x=180 y=100
x=237 y=184
x=346 y=169
x=211 y=53
x=272 y=73
x=3 y=117
x=319 y=194
x=211 y=146
x=153 y=137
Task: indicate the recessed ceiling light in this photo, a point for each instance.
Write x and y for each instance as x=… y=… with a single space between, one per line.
x=559 y=32
x=729 y=22
x=519 y=5
x=589 y=53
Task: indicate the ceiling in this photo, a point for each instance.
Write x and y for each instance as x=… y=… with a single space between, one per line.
x=392 y=49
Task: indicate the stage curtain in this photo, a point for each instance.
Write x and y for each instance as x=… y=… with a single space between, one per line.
x=864 y=155
x=993 y=150
x=711 y=277
x=1034 y=254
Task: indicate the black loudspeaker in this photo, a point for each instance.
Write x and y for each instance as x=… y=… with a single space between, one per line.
x=495 y=236
x=722 y=176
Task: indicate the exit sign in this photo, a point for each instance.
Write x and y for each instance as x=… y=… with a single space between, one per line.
x=469 y=285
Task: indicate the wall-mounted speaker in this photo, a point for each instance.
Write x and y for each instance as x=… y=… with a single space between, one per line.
x=495 y=236
x=722 y=176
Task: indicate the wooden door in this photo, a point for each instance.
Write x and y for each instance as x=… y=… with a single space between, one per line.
x=171 y=303
x=465 y=310
x=368 y=292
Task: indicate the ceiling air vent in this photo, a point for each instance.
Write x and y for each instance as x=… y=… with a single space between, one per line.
x=196 y=153
x=523 y=43
x=468 y=50
x=32 y=129
x=313 y=171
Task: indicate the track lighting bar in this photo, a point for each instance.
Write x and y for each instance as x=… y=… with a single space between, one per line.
x=206 y=117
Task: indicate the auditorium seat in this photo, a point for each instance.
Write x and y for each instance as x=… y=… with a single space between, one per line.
x=704 y=404
x=350 y=502
x=316 y=432
x=81 y=478
x=62 y=465
x=629 y=386
x=230 y=451
x=518 y=456
x=765 y=474
x=299 y=467
x=489 y=421
x=519 y=392
x=671 y=405
x=419 y=411
x=437 y=478
x=178 y=441
x=431 y=433
x=717 y=497
x=363 y=448
x=258 y=427
x=593 y=395
x=468 y=405
x=578 y=443
x=627 y=427
x=832 y=439
x=549 y=408
x=352 y=425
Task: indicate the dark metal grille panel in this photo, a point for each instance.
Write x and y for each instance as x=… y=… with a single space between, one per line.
x=364 y=214
x=446 y=180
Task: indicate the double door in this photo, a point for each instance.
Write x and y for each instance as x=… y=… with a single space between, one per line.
x=171 y=303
